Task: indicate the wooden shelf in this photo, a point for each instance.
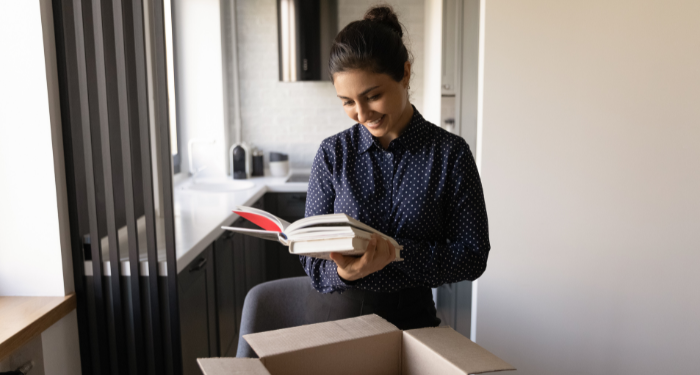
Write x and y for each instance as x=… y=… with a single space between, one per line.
x=23 y=318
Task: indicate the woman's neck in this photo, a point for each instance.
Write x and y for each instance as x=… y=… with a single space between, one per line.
x=402 y=123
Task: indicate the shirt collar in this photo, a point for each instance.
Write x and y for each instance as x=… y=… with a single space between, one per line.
x=414 y=127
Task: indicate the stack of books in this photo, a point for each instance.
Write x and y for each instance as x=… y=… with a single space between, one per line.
x=315 y=236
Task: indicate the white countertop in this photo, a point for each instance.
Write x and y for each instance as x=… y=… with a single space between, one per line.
x=198 y=220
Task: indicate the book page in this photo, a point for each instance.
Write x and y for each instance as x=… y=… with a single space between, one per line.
x=308 y=224
x=264 y=234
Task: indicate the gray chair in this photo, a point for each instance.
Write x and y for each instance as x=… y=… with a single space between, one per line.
x=273 y=305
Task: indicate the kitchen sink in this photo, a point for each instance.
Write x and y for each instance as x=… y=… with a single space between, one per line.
x=299 y=177
x=217 y=185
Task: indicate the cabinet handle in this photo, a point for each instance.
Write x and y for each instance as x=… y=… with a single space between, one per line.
x=200 y=265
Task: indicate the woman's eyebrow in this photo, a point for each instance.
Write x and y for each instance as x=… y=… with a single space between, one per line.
x=362 y=93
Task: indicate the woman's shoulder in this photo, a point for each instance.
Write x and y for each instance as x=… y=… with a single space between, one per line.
x=437 y=139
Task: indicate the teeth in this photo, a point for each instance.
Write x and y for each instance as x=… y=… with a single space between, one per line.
x=377 y=120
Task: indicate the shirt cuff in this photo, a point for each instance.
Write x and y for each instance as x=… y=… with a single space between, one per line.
x=348 y=282
x=345 y=283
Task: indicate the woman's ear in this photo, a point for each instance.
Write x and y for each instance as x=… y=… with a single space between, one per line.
x=406 y=74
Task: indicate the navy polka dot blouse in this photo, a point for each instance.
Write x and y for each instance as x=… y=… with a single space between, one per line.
x=424 y=190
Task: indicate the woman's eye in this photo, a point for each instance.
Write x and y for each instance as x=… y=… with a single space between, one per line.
x=373 y=97
x=347 y=103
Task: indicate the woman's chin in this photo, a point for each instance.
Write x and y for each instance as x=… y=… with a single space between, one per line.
x=377 y=133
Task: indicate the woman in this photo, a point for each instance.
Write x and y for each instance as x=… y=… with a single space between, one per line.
x=399 y=174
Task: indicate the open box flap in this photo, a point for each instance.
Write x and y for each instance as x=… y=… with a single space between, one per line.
x=365 y=345
x=443 y=351
x=294 y=339
x=232 y=366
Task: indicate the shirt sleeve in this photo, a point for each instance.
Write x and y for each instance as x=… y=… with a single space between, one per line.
x=463 y=255
x=319 y=201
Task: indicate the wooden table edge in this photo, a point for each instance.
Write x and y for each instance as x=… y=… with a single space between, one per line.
x=26 y=334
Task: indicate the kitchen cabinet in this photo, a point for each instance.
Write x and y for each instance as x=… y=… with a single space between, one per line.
x=226 y=248
x=231 y=288
x=240 y=265
x=255 y=259
x=198 y=315
x=280 y=263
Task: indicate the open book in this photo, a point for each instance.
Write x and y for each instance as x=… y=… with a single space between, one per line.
x=315 y=236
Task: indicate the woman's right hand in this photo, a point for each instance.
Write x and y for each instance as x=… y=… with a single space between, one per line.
x=379 y=254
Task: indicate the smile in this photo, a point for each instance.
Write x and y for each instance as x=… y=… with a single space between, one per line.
x=376 y=123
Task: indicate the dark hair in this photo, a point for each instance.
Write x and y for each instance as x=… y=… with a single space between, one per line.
x=374 y=43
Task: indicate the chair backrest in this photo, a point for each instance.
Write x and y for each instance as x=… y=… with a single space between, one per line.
x=273 y=305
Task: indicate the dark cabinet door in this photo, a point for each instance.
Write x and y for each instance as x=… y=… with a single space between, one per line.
x=239 y=276
x=197 y=294
x=225 y=292
x=232 y=279
x=239 y=266
x=255 y=259
x=280 y=263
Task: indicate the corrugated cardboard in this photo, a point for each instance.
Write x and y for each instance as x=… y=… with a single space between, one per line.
x=363 y=345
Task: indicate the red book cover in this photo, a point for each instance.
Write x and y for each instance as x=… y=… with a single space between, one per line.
x=260 y=221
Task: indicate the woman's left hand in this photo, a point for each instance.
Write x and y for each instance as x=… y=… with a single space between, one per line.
x=379 y=254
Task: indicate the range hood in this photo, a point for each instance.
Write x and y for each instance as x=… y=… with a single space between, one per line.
x=306 y=29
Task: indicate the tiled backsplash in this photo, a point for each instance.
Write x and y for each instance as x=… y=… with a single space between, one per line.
x=295 y=117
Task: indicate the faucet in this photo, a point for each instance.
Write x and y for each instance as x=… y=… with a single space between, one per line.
x=190 y=144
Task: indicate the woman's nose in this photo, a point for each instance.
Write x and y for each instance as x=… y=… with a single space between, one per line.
x=363 y=113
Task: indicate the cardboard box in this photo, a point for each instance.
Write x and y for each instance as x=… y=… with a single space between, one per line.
x=364 y=345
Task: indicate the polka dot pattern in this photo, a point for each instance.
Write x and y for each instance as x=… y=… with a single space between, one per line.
x=424 y=190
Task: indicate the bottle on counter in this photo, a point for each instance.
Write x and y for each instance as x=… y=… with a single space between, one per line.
x=257 y=163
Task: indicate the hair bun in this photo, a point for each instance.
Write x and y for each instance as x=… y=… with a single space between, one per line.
x=385 y=15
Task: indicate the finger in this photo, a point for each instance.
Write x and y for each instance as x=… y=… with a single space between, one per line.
x=383 y=254
x=392 y=251
x=370 y=252
x=379 y=260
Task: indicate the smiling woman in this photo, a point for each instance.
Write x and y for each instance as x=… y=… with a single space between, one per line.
x=373 y=84
x=383 y=108
x=399 y=174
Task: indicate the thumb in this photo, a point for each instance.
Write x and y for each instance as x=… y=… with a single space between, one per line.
x=339 y=259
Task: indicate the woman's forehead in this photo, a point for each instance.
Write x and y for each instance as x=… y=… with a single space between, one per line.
x=358 y=82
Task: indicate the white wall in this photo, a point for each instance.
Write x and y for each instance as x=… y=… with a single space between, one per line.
x=295 y=117
x=33 y=217
x=591 y=172
x=35 y=254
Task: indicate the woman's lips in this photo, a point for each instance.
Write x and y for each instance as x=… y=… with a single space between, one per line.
x=375 y=124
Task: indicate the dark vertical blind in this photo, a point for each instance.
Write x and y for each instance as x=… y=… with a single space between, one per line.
x=124 y=326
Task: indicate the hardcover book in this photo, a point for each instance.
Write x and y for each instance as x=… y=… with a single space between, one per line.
x=315 y=236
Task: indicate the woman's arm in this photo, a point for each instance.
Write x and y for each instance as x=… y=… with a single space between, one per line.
x=464 y=255
x=320 y=201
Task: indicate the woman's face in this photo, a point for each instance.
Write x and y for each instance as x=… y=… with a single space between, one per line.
x=376 y=101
